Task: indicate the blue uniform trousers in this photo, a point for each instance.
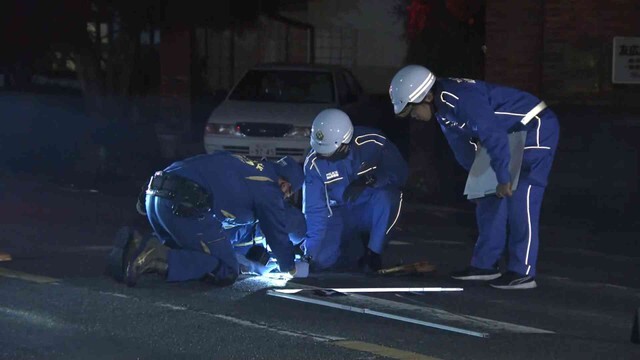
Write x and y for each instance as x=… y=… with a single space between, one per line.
x=374 y=214
x=514 y=222
x=199 y=246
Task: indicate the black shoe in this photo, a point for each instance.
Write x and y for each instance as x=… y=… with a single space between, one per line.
x=147 y=259
x=371 y=262
x=125 y=242
x=474 y=273
x=514 y=281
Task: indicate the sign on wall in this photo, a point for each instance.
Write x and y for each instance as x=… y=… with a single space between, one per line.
x=626 y=60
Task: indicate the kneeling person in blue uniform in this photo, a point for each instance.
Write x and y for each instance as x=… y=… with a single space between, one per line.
x=249 y=241
x=352 y=187
x=196 y=205
x=470 y=111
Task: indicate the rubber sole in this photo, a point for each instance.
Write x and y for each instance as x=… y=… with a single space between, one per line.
x=524 y=286
x=486 y=277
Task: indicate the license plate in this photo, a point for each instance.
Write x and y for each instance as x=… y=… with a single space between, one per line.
x=262 y=150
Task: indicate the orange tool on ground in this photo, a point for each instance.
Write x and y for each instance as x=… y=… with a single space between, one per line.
x=422 y=267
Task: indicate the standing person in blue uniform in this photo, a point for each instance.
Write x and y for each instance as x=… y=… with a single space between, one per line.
x=352 y=187
x=469 y=111
x=195 y=206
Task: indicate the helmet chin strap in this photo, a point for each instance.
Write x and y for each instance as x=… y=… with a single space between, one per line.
x=339 y=154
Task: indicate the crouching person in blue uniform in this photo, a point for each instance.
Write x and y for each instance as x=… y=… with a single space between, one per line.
x=470 y=112
x=351 y=193
x=195 y=206
x=249 y=241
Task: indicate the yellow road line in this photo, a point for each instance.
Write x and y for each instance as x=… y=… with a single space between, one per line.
x=382 y=350
x=27 y=277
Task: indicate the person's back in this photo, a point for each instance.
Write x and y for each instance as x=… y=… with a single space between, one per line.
x=231 y=179
x=458 y=100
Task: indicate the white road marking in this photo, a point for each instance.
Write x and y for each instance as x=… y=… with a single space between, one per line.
x=28 y=277
x=426 y=312
x=255 y=325
x=373 y=290
x=396 y=242
x=34 y=318
x=170 y=306
x=115 y=294
x=586 y=284
x=377 y=313
x=361 y=346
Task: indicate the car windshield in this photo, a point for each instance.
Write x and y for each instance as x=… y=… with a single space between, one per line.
x=285 y=86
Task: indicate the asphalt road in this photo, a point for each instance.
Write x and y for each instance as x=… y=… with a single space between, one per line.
x=55 y=302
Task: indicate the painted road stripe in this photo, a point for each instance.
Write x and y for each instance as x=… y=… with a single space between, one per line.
x=397 y=242
x=377 y=313
x=373 y=290
x=443 y=315
x=433 y=314
x=361 y=346
x=27 y=277
x=382 y=350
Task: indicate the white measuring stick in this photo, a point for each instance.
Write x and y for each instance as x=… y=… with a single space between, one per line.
x=372 y=290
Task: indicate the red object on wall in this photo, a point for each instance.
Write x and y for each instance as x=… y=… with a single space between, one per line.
x=417 y=13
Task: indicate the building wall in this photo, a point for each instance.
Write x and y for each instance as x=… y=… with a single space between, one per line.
x=578 y=38
x=514 y=43
x=560 y=49
x=363 y=35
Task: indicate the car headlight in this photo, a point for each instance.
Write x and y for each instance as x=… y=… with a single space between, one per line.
x=299 y=131
x=222 y=129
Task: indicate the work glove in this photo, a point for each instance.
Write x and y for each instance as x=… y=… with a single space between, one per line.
x=301 y=270
x=252 y=267
x=357 y=186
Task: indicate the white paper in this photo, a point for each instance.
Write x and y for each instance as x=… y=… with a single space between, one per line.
x=482 y=179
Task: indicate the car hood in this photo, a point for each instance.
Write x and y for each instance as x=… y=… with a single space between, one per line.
x=231 y=112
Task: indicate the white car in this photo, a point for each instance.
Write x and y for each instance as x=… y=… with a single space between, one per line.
x=269 y=112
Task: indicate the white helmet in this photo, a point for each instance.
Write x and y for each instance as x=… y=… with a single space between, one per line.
x=410 y=85
x=331 y=128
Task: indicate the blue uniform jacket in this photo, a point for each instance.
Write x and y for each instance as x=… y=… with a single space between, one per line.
x=326 y=181
x=244 y=191
x=475 y=110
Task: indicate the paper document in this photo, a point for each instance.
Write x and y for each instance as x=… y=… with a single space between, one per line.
x=482 y=179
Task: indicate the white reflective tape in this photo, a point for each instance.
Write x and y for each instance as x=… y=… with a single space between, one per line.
x=333 y=180
x=422 y=88
x=445 y=101
x=359 y=141
x=526 y=259
x=533 y=112
x=366 y=171
x=397 y=215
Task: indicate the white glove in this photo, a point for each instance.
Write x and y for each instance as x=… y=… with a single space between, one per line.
x=301 y=270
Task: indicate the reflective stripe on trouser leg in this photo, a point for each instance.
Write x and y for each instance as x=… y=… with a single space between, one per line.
x=189 y=261
x=524 y=217
x=491 y=216
x=381 y=213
